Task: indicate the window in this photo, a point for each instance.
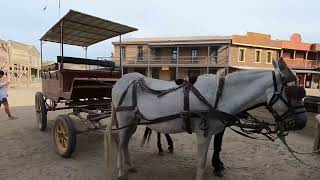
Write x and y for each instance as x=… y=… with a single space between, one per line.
x=194 y=54
x=123 y=52
x=174 y=54
x=140 y=52
x=257 y=56
x=269 y=57
x=242 y=55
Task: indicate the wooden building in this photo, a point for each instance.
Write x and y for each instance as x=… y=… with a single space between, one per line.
x=174 y=57
x=177 y=57
x=20 y=62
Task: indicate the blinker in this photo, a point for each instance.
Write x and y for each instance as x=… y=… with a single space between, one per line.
x=295 y=92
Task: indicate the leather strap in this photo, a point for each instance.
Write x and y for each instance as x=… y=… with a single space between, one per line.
x=186 y=107
x=219 y=92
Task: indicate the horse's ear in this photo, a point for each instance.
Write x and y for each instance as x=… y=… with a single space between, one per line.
x=275 y=64
x=285 y=71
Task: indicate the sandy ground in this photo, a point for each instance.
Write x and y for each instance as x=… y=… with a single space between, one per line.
x=27 y=153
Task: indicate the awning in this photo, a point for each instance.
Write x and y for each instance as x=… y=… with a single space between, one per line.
x=306 y=71
x=197 y=43
x=84 y=30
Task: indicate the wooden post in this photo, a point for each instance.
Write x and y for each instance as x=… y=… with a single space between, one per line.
x=120 y=55
x=61 y=45
x=149 y=59
x=305 y=60
x=316 y=142
x=317 y=59
x=208 y=60
x=177 y=63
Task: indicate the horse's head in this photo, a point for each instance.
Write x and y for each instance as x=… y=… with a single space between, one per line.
x=284 y=99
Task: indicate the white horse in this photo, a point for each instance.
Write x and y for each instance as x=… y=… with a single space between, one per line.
x=241 y=90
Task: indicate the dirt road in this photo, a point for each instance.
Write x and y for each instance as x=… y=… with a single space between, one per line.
x=27 y=154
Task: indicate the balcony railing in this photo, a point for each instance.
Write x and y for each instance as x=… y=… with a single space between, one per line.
x=302 y=63
x=181 y=60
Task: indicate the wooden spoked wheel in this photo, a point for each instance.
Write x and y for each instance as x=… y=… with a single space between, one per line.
x=64 y=135
x=41 y=111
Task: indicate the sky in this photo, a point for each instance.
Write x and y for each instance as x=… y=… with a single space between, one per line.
x=26 y=20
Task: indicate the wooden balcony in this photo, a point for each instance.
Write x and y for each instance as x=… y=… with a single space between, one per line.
x=179 y=61
x=301 y=63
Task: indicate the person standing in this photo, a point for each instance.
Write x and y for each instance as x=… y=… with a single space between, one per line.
x=4 y=96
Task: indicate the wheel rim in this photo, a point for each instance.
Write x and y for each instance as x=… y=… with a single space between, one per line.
x=61 y=136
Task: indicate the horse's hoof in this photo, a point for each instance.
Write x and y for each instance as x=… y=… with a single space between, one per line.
x=161 y=153
x=133 y=170
x=170 y=151
x=124 y=177
x=218 y=173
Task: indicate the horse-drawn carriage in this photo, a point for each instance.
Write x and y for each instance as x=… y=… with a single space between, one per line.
x=87 y=91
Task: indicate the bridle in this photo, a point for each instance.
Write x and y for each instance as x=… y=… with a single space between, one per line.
x=277 y=96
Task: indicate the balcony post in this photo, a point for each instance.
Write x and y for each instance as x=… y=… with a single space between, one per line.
x=294 y=58
x=149 y=57
x=120 y=55
x=305 y=60
x=228 y=55
x=208 y=59
x=317 y=54
x=177 y=62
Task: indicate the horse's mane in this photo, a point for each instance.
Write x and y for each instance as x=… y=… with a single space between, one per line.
x=247 y=71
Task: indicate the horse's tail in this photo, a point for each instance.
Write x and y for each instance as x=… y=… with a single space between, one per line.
x=146 y=136
x=110 y=145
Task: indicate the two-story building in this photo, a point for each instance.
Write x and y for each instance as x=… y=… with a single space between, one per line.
x=21 y=62
x=174 y=57
x=253 y=51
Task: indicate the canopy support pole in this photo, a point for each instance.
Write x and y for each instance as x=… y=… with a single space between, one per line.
x=121 y=68
x=61 y=40
x=41 y=52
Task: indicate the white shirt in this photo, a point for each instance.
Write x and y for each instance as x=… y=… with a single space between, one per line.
x=3 y=90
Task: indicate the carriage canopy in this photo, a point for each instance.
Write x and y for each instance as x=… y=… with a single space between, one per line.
x=80 y=29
